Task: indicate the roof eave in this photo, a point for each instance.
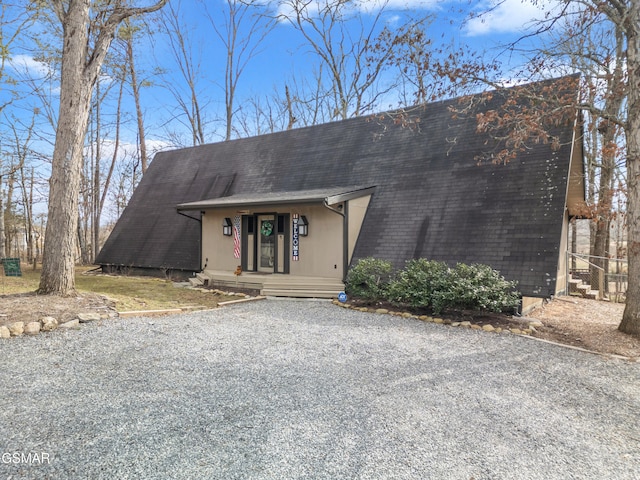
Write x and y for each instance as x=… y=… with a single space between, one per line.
x=331 y=199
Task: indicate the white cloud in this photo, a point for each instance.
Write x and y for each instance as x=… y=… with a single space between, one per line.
x=367 y=6
x=506 y=16
x=27 y=64
x=393 y=20
x=131 y=150
x=398 y=4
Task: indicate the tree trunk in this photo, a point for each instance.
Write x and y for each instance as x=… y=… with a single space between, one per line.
x=58 y=269
x=95 y=191
x=603 y=222
x=631 y=317
x=80 y=68
x=2 y=231
x=609 y=149
x=8 y=215
x=136 y=97
x=27 y=200
x=574 y=243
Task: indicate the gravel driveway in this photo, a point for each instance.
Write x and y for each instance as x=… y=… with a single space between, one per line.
x=285 y=389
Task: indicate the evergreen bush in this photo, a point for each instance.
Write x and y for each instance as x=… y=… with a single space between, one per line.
x=433 y=285
x=417 y=283
x=368 y=279
x=476 y=287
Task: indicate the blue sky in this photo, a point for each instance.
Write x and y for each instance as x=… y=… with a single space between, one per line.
x=282 y=58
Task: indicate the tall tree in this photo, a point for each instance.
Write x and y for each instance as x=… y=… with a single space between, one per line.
x=18 y=152
x=350 y=63
x=241 y=43
x=14 y=20
x=598 y=54
x=127 y=36
x=88 y=30
x=626 y=15
x=188 y=96
x=620 y=110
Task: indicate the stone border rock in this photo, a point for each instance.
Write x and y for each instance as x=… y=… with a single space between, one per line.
x=48 y=324
x=529 y=325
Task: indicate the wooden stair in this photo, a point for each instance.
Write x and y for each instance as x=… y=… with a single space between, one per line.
x=307 y=287
x=200 y=280
x=274 y=285
x=579 y=288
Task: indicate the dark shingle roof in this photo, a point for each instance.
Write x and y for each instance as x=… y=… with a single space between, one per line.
x=432 y=198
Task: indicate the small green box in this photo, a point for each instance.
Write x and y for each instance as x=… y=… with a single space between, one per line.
x=11 y=267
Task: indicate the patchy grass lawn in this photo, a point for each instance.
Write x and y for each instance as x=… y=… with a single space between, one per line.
x=28 y=282
x=128 y=292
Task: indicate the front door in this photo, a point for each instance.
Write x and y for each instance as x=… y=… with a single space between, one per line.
x=266 y=243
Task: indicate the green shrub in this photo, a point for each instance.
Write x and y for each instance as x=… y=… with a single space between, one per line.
x=430 y=284
x=417 y=283
x=475 y=287
x=368 y=279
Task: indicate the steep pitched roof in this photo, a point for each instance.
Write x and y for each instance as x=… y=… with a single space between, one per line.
x=432 y=198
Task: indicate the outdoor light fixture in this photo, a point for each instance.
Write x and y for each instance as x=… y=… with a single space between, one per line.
x=226 y=226
x=303 y=226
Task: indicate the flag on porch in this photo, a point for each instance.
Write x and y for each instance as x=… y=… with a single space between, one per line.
x=236 y=236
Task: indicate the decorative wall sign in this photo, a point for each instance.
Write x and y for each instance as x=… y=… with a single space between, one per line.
x=295 y=240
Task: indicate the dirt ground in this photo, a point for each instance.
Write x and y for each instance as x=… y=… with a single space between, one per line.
x=29 y=307
x=588 y=324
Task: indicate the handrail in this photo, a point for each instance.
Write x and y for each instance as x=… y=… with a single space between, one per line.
x=599 y=269
x=582 y=255
x=602 y=273
x=615 y=259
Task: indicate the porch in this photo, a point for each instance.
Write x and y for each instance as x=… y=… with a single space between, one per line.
x=276 y=285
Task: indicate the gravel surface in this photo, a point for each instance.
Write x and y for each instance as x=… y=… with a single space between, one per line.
x=285 y=389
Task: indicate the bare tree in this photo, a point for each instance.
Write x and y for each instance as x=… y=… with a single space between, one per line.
x=598 y=54
x=19 y=150
x=262 y=114
x=617 y=112
x=190 y=103
x=88 y=30
x=241 y=34
x=126 y=36
x=14 y=20
x=350 y=59
x=626 y=16
x=615 y=117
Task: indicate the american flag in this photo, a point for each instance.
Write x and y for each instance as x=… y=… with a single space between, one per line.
x=236 y=236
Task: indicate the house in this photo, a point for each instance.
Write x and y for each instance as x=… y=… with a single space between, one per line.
x=295 y=209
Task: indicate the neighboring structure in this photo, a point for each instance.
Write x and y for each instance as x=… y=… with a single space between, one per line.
x=392 y=186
